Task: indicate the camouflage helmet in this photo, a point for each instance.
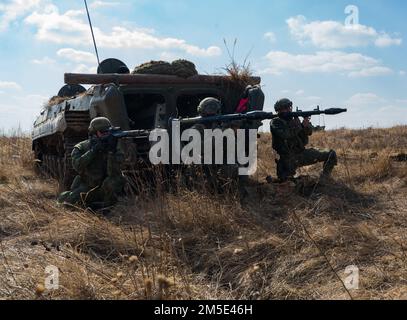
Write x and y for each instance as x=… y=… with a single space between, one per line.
x=283 y=104
x=99 y=124
x=209 y=107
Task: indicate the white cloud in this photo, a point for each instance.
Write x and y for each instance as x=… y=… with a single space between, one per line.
x=76 y=55
x=371 y=72
x=352 y=64
x=83 y=68
x=313 y=98
x=367 y=109
x=335 y=35
x=270 y=36
x=9 y=85
x=384 y=40
x=102 y=4
x=14 y=9
x=402 y=73
x=168 y=56
x=33 y=99
x=72 y=28
x=363 y=99
x=300 y=95
x=43 y=61
x=20 y=111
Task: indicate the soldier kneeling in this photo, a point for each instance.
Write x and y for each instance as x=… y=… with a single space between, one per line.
x=290 y=137
x=98 y=164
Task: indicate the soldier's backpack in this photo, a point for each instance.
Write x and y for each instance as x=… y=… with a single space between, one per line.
x=252 y=100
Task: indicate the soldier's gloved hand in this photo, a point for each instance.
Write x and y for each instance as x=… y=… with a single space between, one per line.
x=307 y=122
x=111 y=143
x=97 y=145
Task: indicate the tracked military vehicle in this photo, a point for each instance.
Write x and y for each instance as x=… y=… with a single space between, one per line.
x=130 y=101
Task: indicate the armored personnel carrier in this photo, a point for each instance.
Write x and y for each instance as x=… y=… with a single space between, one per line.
x=130 y=101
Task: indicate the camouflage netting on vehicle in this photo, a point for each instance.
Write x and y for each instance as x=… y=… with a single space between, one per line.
x=184 y=68
x=56 y=100
x=154 y=67
x=180 y=68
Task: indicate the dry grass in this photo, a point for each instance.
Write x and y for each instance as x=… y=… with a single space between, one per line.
x=54 y=100
x=279 y=243
x=238 y=73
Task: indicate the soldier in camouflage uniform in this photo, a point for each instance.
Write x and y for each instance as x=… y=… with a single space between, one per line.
x=290 y=138
x=216 y=176
x=97 y=162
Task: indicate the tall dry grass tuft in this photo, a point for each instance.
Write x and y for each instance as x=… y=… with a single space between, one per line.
x=381 y=168
x=16 y=153
x=239 y=73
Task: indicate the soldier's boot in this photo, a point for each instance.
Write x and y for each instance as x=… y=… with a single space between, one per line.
x=269 y=179
x=329 y=164
x=71 y=196
x=63 y=196
x=101 y=206
x=92 y=196
x=66 y=200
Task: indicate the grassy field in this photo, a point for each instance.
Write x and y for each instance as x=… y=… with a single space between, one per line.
x=280 y=242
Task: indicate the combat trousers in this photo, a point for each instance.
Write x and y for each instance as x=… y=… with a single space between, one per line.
x=289 y=163
x=103 y=195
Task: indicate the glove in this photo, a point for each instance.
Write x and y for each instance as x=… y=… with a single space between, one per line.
x=96 y=145
x=111 y=143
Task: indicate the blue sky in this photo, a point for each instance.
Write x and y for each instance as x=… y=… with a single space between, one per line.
x=306 y=50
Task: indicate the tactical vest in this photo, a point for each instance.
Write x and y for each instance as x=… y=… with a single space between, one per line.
x=293 y=145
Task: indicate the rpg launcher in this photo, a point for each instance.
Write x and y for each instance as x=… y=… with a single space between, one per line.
x=118 y=133
x=108 y=142
x=257 y=115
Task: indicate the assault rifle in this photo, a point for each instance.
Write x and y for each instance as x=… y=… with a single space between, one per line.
x=257 y=115
x=108 y=142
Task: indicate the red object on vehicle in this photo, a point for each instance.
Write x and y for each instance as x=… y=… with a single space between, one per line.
x=243 y=105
